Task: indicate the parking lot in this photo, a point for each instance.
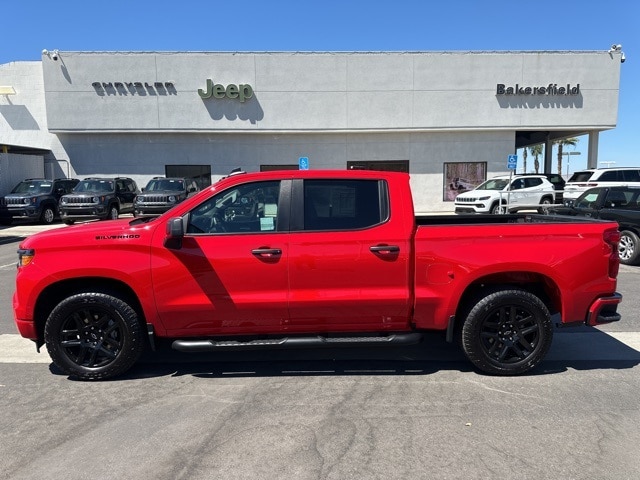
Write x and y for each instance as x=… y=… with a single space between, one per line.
x=397 y=413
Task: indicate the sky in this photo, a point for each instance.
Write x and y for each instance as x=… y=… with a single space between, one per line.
x=28 y=27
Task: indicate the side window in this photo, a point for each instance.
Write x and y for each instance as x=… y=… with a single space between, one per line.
x=517 y=184
x=532 y=182
x=631 y=175
x=588 y=200
x=610 y=176
x=120 y=186
x=247 y=208
x=343 y=204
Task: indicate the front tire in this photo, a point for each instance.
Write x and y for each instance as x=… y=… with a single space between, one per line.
x=113 y=213
x=93 y=336
x=48 y=215
x=507 y=332
x=628 y=248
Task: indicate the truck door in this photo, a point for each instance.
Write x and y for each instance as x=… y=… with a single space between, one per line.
x=229 y=275
x=348 y=264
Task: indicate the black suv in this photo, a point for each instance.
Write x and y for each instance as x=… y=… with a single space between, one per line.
x=98 y=198
x=35 y=199
x=162 y=193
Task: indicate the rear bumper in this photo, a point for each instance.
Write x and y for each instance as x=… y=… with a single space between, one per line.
x=604 y=310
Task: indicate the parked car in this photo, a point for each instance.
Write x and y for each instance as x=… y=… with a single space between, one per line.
x=505 y=193
x=35 y=199
x=98 y=198
x=595 y=177
x=619 y=204
x=161 y=194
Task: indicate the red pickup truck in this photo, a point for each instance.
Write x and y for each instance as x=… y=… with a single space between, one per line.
x=312 y=258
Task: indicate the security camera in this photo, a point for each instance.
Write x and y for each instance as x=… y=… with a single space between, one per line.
x=622 y=58
x=616 y=48
x=45 y=52
x=54 y=55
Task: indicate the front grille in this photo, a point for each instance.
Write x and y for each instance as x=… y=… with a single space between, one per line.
x=14 y=201
x=154 y=199
x=466 y=200
x=78 y=200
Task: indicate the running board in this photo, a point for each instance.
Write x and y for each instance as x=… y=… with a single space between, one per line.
x=197 y=346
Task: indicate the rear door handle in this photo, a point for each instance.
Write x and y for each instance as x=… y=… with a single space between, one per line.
x=266 y=252
x=385 y=249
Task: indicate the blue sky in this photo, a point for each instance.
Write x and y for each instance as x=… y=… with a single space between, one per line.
x=342 y=25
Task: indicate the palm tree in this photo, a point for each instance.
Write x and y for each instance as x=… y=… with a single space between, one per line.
x=536 y=151
x=561 y=143
x=524 y=158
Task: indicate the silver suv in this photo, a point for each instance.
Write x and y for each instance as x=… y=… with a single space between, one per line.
x=600 y=177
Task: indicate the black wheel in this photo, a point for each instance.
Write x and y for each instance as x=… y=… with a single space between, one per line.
x=628 y=249
x=93 y=336
x=48 y=215
x=546 y=202
x=68 y=222
x=508 y=332
x=113 y=213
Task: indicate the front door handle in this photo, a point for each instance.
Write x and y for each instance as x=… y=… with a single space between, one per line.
x=384 y=249
x=266 y=252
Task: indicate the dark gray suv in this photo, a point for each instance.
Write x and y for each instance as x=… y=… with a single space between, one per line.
x=161 y=194
x=98 y=198
x=35 y=199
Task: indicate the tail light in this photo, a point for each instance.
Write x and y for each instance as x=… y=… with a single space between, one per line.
x=611 y=239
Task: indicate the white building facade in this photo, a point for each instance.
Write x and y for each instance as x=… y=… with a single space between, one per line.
x=448 y=118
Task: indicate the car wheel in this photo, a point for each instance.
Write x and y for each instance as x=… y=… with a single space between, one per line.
x=113 y=212
x=507 y=332
x=68 y=222
x=545 y=202
x=497 y=209
x=628 y=249
x=93 y=336
x=48 y=215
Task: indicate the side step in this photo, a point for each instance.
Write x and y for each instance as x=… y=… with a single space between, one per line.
x=197 y=346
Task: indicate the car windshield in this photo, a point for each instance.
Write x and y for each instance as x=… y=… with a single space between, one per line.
x=494 y=184
x=33 y=187
x=165 y=185
x=94 y=186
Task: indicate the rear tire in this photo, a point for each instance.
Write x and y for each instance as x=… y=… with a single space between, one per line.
x=628 y=248
x=507 y=332
x=546 y=202
x=93 y=336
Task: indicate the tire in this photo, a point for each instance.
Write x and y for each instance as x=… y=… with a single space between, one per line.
x=496 y=209
x=68 y=222
x=113 y=213
x=507 y=332
x=48 y=215
x=546 y=202
x=628 y=248
x=93 y=336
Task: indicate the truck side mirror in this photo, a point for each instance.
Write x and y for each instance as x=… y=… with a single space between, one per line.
x=175 y=232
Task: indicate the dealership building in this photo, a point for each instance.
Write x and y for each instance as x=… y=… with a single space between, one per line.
x=447 y=118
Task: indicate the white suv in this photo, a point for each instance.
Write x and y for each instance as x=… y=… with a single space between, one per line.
x=596 y=177
x=499 y=194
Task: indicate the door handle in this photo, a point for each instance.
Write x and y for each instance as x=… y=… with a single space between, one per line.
x=384 y=249
x=266 y=252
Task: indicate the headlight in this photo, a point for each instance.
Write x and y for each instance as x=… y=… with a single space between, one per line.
x=172 y=198
x=484 y=198
x=26 y=201
x=95 y=199
x=138 y=200
x=63 y=200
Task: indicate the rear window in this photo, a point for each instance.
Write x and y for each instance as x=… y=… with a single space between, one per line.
x=581 y=176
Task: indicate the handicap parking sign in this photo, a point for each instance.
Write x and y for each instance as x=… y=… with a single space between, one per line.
x=303 y=163
x=512 y=162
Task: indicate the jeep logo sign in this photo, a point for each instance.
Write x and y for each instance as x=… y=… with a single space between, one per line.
x=242 y=92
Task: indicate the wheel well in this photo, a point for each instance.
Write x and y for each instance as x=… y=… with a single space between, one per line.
x=542 y=287
x=54 y=294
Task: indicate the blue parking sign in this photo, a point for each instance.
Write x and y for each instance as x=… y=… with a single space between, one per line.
x=303 y=163
x=512 y=162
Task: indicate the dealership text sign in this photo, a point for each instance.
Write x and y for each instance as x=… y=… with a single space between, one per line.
x=242 y=92
x=551 y=89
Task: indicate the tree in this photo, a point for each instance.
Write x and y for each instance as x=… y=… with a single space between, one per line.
x=524 y=160
x=536 y=151
x=561 y=143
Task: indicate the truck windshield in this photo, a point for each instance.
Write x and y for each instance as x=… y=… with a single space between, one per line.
x=33 y=187
x=94 y=186
x=493 y=184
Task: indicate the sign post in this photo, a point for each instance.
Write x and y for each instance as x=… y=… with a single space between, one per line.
x=512 y=164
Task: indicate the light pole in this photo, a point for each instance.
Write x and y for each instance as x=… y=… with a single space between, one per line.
x=568 y=154
x=607 y=164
